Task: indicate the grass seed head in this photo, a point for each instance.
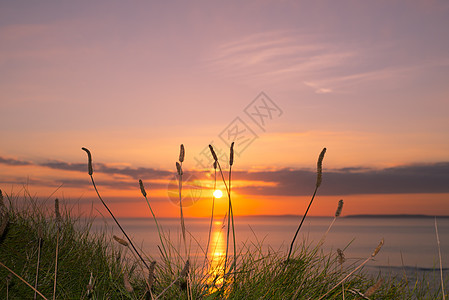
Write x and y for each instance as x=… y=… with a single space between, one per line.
x=339 y=208
x=120 y=241
x=58 y=217
x=179 y=168
x=215 y=165
x=151 y=274
x=381 y=243
x=341 y=256
x=320 y=168
x=181 y=153
x=89 y=161
x=90 y=286
x=142 y=188
x=185 y=270
x=231 y=156
x=374 y=288
x=127 y=284
x=212 y=151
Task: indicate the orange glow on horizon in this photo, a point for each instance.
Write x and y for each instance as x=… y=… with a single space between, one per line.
x=130 y=203
x=276 y=205
x=123 y=195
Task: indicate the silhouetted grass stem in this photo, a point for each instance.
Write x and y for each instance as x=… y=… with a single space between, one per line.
x=90 y=169
x=144 y=194
x=318 y=183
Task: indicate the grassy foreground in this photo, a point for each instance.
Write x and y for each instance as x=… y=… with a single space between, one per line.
x=28 y=246
x=47 y=253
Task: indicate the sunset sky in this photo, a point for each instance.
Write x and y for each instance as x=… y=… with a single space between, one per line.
x=131 y=81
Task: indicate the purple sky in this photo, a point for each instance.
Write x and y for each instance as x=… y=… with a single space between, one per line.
x=367 y=80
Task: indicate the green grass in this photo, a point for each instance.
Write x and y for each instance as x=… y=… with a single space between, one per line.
x=92 y=257
x=81 y=252
x=309 y=273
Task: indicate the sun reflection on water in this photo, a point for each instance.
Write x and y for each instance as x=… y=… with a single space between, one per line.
x=216 y=255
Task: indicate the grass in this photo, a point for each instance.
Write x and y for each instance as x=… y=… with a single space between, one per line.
x=49 y=253
x=28 y=248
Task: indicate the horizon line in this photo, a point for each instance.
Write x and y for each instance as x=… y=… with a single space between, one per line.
x=299 y=216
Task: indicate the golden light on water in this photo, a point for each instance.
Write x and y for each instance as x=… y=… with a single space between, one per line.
x=216 y=255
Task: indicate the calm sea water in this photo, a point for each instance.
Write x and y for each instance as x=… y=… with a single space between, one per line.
x=410 y=243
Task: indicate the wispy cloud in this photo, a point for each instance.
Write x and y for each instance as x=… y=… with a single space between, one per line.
x=345 y=82
x=14 y=162
x=317 y=88
x=275 y=55
x=135 y=173
x=60 y=165
x=325 y=65
x=128 y=175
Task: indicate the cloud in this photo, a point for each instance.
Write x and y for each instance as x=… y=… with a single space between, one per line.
x=60 y=165
x=135 y=173
x=293 y=56
x=323 y=91
x=318 y=60
x=417 y=178
x=277 y=55
x=422 y=178
x=153 y=178
x=317 y=88
x=14 y=162
x=381 y=73
x=414 y=178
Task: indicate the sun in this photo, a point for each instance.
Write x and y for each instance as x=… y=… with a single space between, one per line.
x=218 y=194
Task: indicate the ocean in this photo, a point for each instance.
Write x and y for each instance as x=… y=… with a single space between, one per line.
x=410 y=243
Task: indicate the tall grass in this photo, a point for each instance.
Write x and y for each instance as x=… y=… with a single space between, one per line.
x=230 y=212
x=180 y=173
x=439 y=258
x=90 y=172
x=32 y=230
x=211 y=215
x=159 y=230
x=319 y=179
x=37 y=247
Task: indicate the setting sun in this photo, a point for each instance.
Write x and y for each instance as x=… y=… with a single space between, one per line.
x=218 y=194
